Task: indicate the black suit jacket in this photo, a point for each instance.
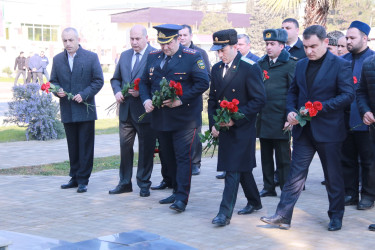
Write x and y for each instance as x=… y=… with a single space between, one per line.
x=243 y=81
x=297 y=50
x=131 y=105
x=333 y=87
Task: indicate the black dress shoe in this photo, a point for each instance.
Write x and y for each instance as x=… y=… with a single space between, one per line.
x=365 y=204
x=121 y=189
x=178 y=206
x=82 y=188
x=70 y=184
x=168 y=200
x=221 y=220
x=144 y=192
x=162 y=185
x=221 y=176
x=335 y=224
x=350 y=200
x=195 y=170
x=277 y=220
x=323 y=182
x=249 y=209
x=265 y=193
x=371 y=227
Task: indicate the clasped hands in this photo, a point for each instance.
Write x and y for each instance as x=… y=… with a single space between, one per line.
x=216 y=133
x=167 y=103
x=368 y=118
x=120 y=98
x=76 y=98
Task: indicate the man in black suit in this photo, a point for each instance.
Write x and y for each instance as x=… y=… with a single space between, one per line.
x=129 y=68
x=236 y=76
x=77 y=71
x=293 y=45
x=328 y=79
x=177 y=120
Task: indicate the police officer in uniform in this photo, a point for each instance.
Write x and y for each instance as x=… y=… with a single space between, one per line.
x=235 y=76
x=177 y=120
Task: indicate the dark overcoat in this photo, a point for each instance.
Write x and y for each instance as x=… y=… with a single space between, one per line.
x=243 y=81
x=187 y=67
x=270 y=121
x=131 y=105
x=85 y=79
x=333 y=87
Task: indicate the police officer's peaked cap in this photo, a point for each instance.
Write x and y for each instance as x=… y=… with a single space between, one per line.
x=166 y=32
x=361 y=26
x=275 y=35
x=223 y=38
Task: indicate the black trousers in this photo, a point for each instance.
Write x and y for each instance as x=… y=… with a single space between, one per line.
x=146 y=147
x=176 y=149
x=358 y=150
x=232 y=181
x=304 y=149
x=80 y=137
x=282 y=156
x=197 y=149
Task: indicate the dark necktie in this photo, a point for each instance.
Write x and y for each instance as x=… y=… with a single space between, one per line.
x=226 y=67
x=166 y=60
x=287 y=47
x=136 y=64
x=271 y=63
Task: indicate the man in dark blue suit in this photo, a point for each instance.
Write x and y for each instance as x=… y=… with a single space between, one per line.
x=356 y=150
x=328 y=79
x=243 y=46
x=235 y=77
x=130 y=67
x=77 y=71
x=177 y=120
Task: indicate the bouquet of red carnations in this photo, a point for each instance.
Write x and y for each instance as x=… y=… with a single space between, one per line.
x=125 y=93
x=308 y=111
x=226 y=112
x=168 y=90
x=49 y=87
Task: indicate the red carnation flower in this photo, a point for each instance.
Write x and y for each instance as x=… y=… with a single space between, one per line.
x=313 y=112
x=235 y=109
x=355 y=80
x=318 y=105
x=230 y=106
x=43 y=87
x=235 y=101
x=172 y=83
x=224 y=104
x=308 y=105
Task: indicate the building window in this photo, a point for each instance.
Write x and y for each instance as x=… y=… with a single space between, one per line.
x=41 y=32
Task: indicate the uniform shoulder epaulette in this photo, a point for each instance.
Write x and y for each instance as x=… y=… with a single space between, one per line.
x=249 y=61
x=189 y=51
x=293 y=58
x=155 y=51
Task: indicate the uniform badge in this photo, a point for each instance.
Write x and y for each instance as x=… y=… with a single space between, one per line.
x=268 y=35
x=201 y=64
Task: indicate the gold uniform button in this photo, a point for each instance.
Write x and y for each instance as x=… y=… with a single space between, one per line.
x=188 y=104
x=149 y=78
x=233 y=90
x=181 y=78
x=215 y=90
x=218 y=101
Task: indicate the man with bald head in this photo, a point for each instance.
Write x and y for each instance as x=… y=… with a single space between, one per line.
x=77 y=71
x=130 y=67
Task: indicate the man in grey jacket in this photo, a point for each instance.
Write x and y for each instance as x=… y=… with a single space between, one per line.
x=77 y=71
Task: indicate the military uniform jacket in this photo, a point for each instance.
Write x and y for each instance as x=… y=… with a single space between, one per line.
x=297 y=50
x=131 y=106
x=243 y=81
x=85 y=79
x=271 y=119
x=187 y=67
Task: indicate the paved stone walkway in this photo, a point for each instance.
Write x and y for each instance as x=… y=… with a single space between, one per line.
x=36 y=205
